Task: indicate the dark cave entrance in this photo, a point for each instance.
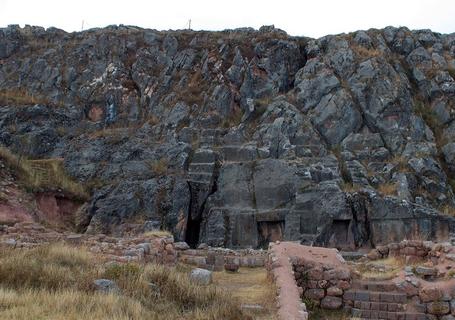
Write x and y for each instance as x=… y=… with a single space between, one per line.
x=269 y=231
x=340 y=237
x=193 y=228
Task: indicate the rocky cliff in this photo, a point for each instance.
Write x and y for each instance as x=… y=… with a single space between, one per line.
x=240 y=137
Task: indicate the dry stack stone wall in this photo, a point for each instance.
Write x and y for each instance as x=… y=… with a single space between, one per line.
x=216 y=259
x=148 y=248
x=321 y=285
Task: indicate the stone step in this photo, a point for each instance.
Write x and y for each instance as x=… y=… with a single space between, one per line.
x=386 y=315
x=384 y=286
x=238 y=153
x=211 y=136
x=204 y=155
x=203 y=176
x=303 y=150
x=375 y=296
x=201 y=167
x=198 y=182
x=380 y=306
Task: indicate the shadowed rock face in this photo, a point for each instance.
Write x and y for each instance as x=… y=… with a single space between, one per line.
x=241 y=137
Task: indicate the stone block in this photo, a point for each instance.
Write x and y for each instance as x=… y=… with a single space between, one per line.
x=425 y=271
x=201 y=276
x=349 y=295
x=315 y=274
x=334 y=291
x=365 y=305
x=428 y=294
x=374 y=296
x=386 y=297
x=331 y=303
x=438 y=308
x=393 y=307
x=343 y=284
x=362 y=295
x=315 y=294
x=374 y=305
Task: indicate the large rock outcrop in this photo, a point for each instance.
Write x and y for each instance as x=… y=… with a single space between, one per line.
x=241 y=137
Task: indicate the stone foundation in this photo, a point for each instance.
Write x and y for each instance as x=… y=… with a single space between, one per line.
x=323 y=285
x=321 y=278
x=216 y=259
x=138 y=248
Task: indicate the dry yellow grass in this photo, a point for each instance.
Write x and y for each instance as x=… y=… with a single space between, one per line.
x=56 y=282
x=159 y=167
x=387 y=189
x=20 y=97
x=365 y=53
x=392 y=264
x=49 y=267
x=349 y=187
x=448 y=210
x=43 y=175
x=68 y=304
x=401 y=162
x=250 y=286
x=157 y=233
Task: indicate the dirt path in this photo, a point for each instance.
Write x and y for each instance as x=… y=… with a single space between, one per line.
x=252 y=288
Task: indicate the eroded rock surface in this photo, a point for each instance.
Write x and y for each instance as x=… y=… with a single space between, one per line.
x=242 y=137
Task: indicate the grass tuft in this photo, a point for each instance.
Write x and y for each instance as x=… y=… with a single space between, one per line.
x=43 y=175
x=365 y=53
x=157 y=233
x=388 y=189
x=20 y=97
x=159 y=167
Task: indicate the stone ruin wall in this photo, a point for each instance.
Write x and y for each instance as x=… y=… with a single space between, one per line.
x=147 y=248
x=336 y=287
x=215 y=259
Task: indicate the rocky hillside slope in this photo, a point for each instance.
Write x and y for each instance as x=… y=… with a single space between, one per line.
x=239 y=137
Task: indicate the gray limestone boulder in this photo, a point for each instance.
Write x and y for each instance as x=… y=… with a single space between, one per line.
x=106 y=286
x=201 y=276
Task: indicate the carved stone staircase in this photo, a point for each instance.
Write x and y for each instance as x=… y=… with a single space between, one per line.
x=379 y=300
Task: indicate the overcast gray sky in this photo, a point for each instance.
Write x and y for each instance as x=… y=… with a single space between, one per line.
x=308 y=18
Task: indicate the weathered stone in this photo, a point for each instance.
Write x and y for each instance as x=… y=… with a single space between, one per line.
x=438 y=308
x=430 y=293
x=271 y=140
x=331 y=303
x=425 y=271
x=315 y=294
x=106 y=286
x=181 y=246
x=201 y=276
x=334 y=291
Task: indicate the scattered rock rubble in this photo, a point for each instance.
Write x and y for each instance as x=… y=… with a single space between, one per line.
x=120 y=249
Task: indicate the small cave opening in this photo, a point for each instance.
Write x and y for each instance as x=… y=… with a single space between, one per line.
x=193 y=228
x=340 y=236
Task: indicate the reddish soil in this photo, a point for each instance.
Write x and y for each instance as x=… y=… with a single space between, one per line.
x=55 y=209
